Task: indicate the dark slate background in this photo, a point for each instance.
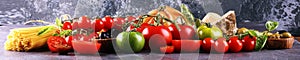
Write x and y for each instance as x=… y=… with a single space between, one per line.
x=250 y=13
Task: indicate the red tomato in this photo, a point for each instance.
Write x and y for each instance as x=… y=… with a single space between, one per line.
x=58 y=44
x=86 y=47
x=167 y=49
x=84 y=22
x=138 y=29
x=221 y=45
x=108 y=22
x=118 y=23
x=186 y=45
x=99 y=25
x=186 y=32
x=249 y=43
x=130 y=18
x=157 y=36
x=66 y=26
x=235 y=45
x=75 y=25
x=207 y=44
x=69 y=40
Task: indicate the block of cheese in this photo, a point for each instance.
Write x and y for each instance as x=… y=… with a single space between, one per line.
x=227 y=23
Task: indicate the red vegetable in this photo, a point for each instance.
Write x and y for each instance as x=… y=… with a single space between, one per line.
x=249 y=43
x=66 y=26
x=58 y=44
x=207 y=44
x=108 y=22
x=221 y=45
x=186 y=45
x=167 y=49
x=186 y=32
x=235 y=45
x=156 y=37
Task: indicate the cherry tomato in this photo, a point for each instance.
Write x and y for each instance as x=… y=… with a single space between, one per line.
x=118 y=23
x=221 y=45
x=159 y=36
x=99 y=25
x=167 y=49
x=235 y=45
x=186 y=32
x=249 y=43
x=108 y=22
x=138 y=29
x=58 y=44
x=66 y=26
x=130 y=18
x=69 y=40
x=84 y=22
x=86 y=47
x=186 y=45
x=207 y=44
x=75 y=25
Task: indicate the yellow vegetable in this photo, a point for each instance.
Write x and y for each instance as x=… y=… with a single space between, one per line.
x=26 y=39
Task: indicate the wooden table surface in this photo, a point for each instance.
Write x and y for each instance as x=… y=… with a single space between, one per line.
x=283 y=54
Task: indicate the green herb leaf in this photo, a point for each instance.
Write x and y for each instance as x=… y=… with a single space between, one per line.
x=271 y=25
x=45 y=30
x=186 y=12
x=66 y=33
x=58 y=22
x=260 y=42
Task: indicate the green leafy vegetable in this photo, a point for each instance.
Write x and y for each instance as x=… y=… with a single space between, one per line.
x=260 y=42
x=58 y=22
x=262 y=37
x=45 y=30
x=271 y=25
x=186 y=12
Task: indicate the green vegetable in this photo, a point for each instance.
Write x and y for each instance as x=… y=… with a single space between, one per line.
x=263 y=37
x=58 y=22
x=271 y=25
x=130 y=41
x=209 y=31
x=186 y=12
x=45 y=30
x=260 y=42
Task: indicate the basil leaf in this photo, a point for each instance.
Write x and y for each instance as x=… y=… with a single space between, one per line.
x=254 y=33
x=260 y=42
x=271 y=25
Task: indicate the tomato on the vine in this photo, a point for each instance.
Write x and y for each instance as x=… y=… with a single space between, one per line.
x=221 y=45
x=108 y=22
x=156 y=37
x=186 y=32
x=67 y=25
x=207 y=44
x=138 y=29
x=130 y=18
x=118 y=23
x=84 y=22
x=167 y=49
x=75 y=25
x=99 y=25
x=58 y=44
x=249 y=43
x=235 y=45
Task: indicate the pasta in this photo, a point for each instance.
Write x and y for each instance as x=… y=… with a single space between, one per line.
x=26 y=39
